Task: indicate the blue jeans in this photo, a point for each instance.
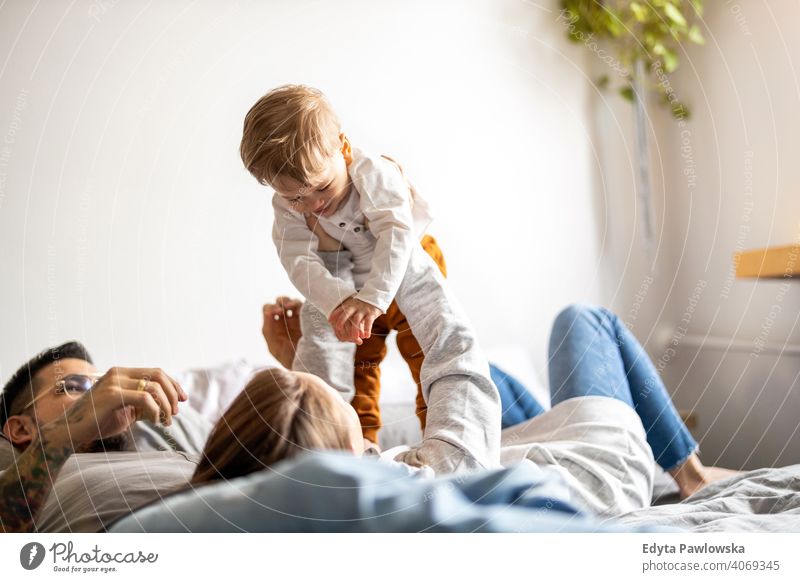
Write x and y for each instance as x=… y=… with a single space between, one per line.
x=593 y=354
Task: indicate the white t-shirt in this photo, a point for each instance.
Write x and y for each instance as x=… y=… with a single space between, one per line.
x=95 y=489
x=596 y=444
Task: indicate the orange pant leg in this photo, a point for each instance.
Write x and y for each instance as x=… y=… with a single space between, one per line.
x=406 y=342
x=367 y=379
x=371 y=352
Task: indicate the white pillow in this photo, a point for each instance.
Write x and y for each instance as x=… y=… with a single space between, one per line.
x=211 y=390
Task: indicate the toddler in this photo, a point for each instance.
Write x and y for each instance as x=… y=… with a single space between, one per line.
x=382 y=279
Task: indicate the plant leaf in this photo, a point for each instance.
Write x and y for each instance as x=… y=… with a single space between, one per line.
x=614 y=26
x=698 y=6
x=670 y=61
x=696 y=36
x=647 y=30
x=627 y=93
x=639 y=11
x=674 y=14
x=680 y=111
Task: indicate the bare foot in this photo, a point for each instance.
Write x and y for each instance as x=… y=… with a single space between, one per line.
x=719 y=473
x=692 y=476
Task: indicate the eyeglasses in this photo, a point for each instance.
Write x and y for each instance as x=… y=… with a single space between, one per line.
x=72 y=385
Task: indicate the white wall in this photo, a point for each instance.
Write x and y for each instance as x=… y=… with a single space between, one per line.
x=127 y=221
x=728 y=180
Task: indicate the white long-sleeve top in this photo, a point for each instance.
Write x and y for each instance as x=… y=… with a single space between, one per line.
x=377 y=223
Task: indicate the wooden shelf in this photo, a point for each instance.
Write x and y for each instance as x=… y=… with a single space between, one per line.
x=770 y=263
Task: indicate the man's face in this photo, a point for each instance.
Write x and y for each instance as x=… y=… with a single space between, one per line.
x=50 y=405
x=323 y=195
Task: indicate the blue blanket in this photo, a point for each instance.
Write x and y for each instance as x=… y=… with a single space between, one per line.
x=334 y=492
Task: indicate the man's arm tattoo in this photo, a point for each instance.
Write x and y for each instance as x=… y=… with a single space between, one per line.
x=25 y=486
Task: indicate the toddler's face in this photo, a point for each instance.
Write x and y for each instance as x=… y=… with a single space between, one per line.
x=322 y=196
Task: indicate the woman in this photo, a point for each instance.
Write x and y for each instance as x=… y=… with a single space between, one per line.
x=611 y=416
x=277 y=416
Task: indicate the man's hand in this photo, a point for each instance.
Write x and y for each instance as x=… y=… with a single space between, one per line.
x=281 y=328
x=118 y=399
x=352 y=320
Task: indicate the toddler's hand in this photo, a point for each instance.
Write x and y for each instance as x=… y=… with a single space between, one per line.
x=352 y=320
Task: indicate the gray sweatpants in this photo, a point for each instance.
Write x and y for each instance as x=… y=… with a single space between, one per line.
x=462 y=431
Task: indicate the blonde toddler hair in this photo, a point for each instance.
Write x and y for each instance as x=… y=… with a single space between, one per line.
x=291 y=131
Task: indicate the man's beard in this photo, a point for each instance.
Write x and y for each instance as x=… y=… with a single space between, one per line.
x=109 y=444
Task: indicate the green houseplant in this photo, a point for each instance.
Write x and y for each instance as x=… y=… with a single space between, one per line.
x=644 y=38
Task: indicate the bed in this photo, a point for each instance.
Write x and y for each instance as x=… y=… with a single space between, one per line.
x=764 y=500
x=330 y=492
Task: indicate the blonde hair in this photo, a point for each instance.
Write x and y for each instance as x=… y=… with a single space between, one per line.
x=277 y=416
x=291 y=131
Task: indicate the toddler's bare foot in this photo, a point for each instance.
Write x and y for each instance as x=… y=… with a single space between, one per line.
x=692 y=476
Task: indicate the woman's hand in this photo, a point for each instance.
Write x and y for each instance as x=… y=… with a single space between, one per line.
x=281 y=328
